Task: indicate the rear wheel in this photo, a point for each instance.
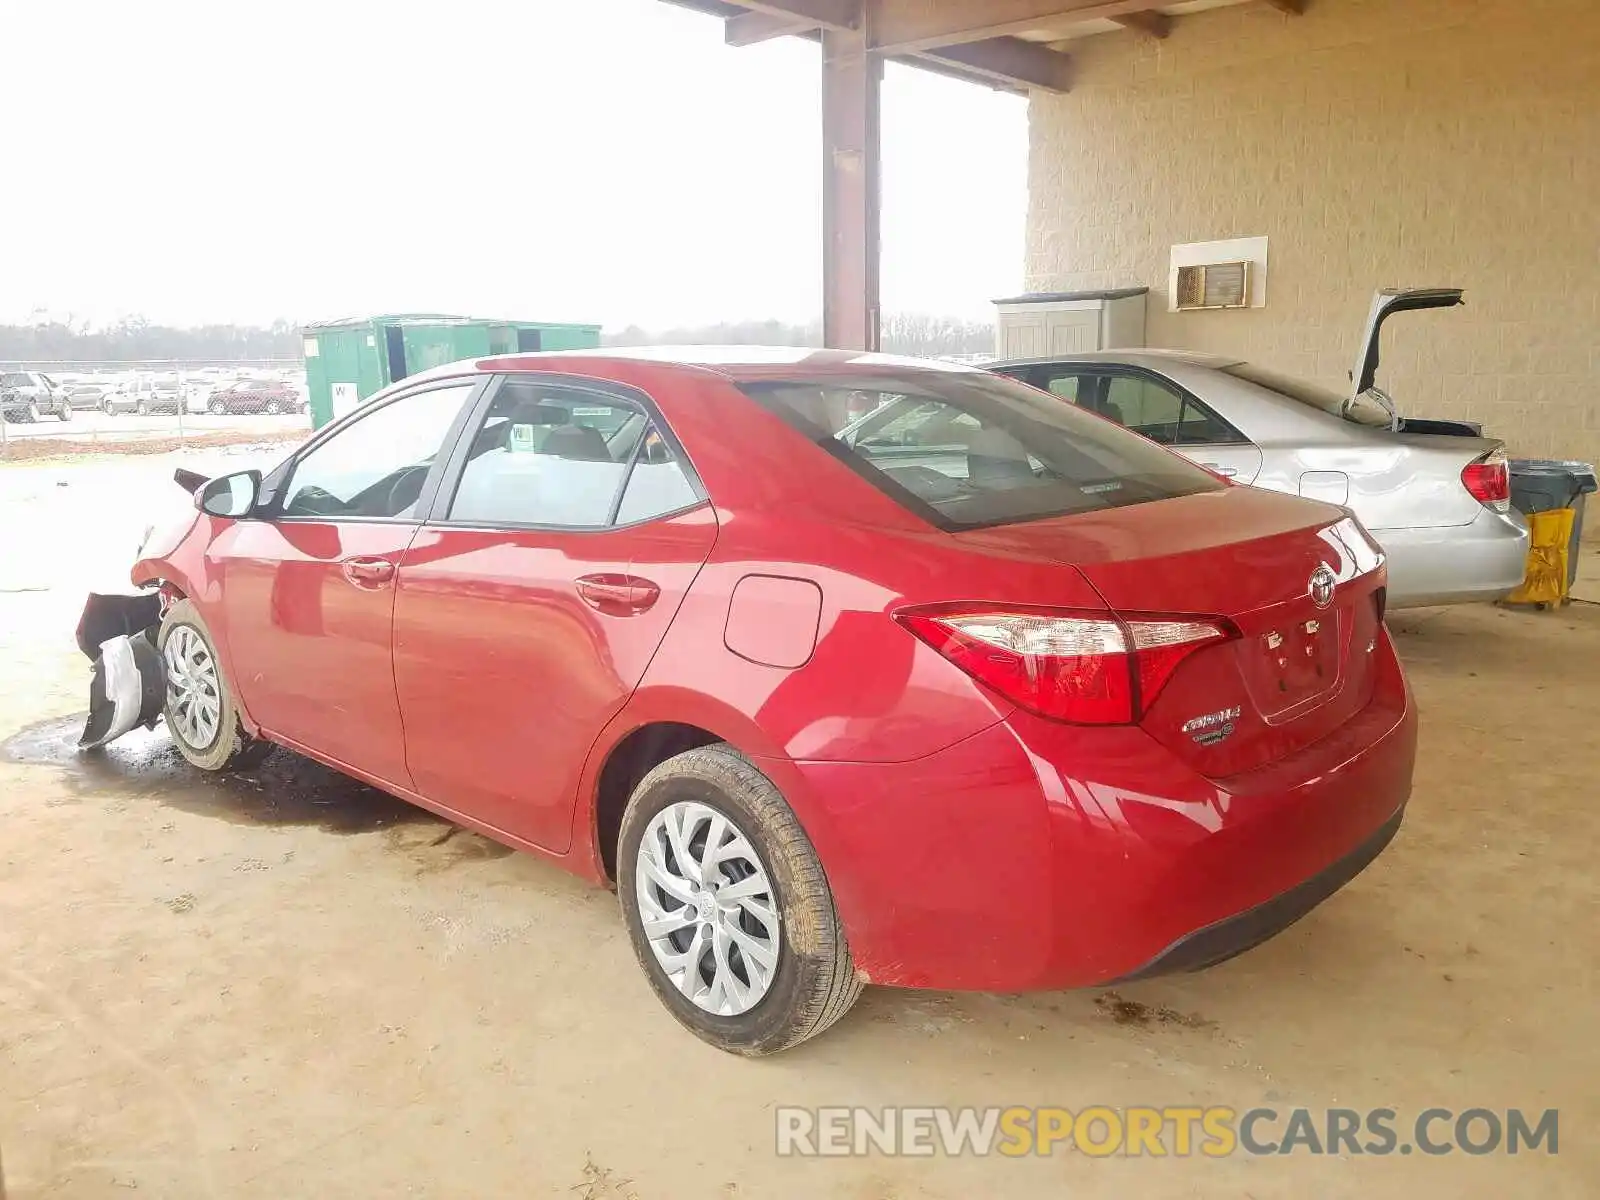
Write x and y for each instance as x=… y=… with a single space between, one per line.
x=727 y=906
x=65 y=413
x=200 y=711
x=216 y=408
x=273 y=408
x=142 y=408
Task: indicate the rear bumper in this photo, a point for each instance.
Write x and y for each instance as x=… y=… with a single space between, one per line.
x=1233 y=935
x=1455 y=564
x=1037 y=855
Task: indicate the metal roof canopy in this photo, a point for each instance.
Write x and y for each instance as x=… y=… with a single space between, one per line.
x=1006 y=44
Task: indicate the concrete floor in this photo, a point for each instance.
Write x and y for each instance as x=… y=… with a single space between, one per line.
x=210 y=990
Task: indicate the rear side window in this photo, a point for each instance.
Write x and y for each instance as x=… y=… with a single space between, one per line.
x=1162 y=413
x=971 y=449
x=557 y=456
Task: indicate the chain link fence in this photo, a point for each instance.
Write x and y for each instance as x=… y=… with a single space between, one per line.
x=67 y=409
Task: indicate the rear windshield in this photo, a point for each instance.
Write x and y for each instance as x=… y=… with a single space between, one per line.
x=1362 y=412
x=969 y=449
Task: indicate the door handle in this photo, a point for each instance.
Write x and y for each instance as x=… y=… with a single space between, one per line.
x=618 y=595
x=365 y=571
x=1218 y=469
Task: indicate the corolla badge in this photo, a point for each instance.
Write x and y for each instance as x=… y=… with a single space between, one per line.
x=1323 y=581
x=1212 y=728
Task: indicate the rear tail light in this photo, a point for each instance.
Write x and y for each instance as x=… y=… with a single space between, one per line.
x=1489 y=480
x=1083 y=668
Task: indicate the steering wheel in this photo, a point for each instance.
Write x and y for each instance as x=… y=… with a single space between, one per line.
x=398 y=498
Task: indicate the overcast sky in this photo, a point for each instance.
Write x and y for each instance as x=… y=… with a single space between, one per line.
x=604 y=160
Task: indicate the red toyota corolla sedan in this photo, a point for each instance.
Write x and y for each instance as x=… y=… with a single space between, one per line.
x=845 y=669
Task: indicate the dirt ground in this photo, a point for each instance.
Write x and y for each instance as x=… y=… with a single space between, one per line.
x=292 y=985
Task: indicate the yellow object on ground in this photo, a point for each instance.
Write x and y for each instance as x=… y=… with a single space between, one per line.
x=1545 y=581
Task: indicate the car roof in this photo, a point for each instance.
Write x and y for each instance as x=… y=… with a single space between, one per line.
x=1139 y=356
x=738 y=363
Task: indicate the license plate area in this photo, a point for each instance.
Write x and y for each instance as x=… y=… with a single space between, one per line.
x=1291 y=663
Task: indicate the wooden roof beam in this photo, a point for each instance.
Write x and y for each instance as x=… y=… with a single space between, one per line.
x=1007 y=60
x=767 y=21
x=902 y=26
x=1148 y=21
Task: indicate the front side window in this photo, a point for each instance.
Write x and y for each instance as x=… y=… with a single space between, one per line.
x=969 y=449
x=376 y=466
x=549 y=454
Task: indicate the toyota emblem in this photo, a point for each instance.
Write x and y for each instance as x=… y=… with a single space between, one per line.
x=1321 y=587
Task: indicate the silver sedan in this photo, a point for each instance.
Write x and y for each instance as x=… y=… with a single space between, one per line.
x=1435 y=494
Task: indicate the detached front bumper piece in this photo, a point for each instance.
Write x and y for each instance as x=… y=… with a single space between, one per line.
x=129 y=684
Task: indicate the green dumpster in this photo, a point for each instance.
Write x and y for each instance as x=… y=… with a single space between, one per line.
x=349 y=360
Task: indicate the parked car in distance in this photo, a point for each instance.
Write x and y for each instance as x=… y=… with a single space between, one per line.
x=1014 y=700
x=1436 y=494
x=32 y=396
x=255 y=396
x=89 y=394
x=157 y=394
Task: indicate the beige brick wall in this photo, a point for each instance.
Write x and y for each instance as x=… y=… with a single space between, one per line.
x=1374 y=142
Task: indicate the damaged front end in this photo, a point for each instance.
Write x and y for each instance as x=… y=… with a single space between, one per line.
x=129 y=683
x=117 y=634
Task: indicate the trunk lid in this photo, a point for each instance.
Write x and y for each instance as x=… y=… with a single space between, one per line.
x=1299 y=581
x=1385 y=303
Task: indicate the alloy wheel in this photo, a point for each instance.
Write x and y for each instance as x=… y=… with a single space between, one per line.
x=707 y=908
x=194 y=691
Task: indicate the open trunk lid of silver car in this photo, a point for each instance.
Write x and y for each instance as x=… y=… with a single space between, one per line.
x=1385 y=303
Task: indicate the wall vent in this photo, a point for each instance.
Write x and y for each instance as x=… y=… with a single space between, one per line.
x=1213 y=285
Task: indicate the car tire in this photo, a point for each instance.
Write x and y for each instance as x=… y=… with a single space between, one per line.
x=31 y=414
x=811 y=980
x=200 y=712
x=273 y=408
x=216 y=408
x=65 y=413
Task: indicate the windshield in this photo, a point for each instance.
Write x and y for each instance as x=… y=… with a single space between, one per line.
x=968 y=449
x=1363 y=411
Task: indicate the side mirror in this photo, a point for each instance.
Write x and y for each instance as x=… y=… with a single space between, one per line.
x=232 y=496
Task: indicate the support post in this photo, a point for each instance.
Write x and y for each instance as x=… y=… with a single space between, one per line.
x=851 y=196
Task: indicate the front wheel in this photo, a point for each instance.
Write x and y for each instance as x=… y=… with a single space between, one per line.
x=273 y=408
x=727 y=906
x=200 y=711
x=65 y=414
x=216 y=408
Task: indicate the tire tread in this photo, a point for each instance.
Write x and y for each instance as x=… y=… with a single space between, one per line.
x=811 y=910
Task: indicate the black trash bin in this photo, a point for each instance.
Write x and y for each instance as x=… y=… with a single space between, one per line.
x=1541 y=484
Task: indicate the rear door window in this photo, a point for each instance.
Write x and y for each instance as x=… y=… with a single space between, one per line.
x=555 y=456
x=1064 y=381
x=1163 y=412
x=970 y=449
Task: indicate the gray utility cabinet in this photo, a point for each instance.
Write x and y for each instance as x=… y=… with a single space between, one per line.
x=1046 y=324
